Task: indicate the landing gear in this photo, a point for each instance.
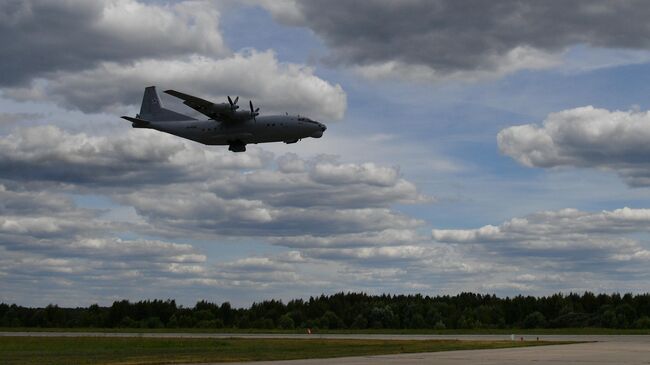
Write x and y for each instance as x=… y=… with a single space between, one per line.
x=237 y=146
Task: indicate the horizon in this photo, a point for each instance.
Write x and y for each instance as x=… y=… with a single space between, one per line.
x=470 y=147
x=311 y=297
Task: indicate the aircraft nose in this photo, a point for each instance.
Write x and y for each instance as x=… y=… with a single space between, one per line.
x=319 y=132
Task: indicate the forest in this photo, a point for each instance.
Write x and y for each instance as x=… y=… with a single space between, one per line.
x=353 y=311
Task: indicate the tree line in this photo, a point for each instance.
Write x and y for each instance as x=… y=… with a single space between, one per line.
x=353 y=311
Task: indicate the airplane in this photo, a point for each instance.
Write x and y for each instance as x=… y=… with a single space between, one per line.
x=226 y=125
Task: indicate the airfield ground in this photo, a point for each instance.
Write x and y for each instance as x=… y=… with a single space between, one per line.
x=355 y=349
x=621 y=350
x=55 y=348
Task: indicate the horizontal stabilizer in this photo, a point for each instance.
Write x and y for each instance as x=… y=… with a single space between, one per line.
x=137 y=121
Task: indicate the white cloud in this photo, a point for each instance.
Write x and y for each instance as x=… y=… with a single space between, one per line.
x=48 y=153
x=388 y=237
x=273 y=86
x=585 y=137
x=205 y=192
x=192 y=25
x=285 y=11
x=75 y=35
x=447 y=40
x=550 y=251
x=101 y=55
x=367 y=173
x=70 y=254
x=516 y=59
x=601 y=235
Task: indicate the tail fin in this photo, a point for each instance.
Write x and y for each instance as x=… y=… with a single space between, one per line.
x=152 y=109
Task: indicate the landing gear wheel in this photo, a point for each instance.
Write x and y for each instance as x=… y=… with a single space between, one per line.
x=237 y=146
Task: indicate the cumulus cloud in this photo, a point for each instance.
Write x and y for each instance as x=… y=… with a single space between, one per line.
x=101 y=55
x=317 y=182
x=47 y=240
x=40 y=37
x=463 y=39
x=205 y=190
x=204 y=213
x=607 y=233
x=48 y=153
x=585 y=137
x=568 y=250
x=11 y=118
x=274 y=86
x=97 y=278
x=388 y=237
x=519 y=58
x=50 y=222
x=177 y=190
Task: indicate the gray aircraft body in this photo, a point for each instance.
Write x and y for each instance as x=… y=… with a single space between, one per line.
x=225 y=124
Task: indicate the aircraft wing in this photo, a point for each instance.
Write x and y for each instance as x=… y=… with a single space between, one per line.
x=201 y=105
x=213 y=111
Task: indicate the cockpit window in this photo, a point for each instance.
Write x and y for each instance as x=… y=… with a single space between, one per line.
x=303 y=119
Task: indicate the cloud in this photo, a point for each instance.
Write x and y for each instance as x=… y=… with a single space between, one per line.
x=74 y=256
x=273 y=86
x=519 y=58
x=388 y=237
x=56 y=246
x=605 y=233
x=563 y=250
x=585 y=137
x=368 y=173
x=48 y=153
x=42 y=37
x=286 y=201
x=11 y=118
x=322 y=183
x=34 y=202
x=101 y=55
x=186 y=210
x=181 y=191
x=286 y=11
x=461 y=39
x=52 y=223
x=99 y=277
x=205 y=192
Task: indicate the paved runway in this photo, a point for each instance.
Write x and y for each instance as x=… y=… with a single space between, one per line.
x=623 y=353
x=607 y=349
x=529 y=337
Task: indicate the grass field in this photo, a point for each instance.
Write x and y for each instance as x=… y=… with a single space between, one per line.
x=101 y=350
x=481 y=331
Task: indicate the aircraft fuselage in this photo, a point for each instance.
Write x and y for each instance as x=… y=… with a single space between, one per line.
x=272 y=128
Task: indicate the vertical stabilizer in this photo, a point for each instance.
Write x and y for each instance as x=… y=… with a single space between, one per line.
x=152 y=109
x=150 y=102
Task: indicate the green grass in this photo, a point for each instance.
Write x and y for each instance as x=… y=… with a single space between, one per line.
x=480 y=331
x=137 y=350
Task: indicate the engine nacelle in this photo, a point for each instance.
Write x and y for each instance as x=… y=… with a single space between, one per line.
x=222 y=108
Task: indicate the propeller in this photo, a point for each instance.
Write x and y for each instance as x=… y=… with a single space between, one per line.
x=254 y=112
x=233 y=104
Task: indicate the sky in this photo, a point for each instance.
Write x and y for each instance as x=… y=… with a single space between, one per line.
x=494 y=147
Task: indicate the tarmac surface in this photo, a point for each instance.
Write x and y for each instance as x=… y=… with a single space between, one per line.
x=624 y=352
x=600 y=349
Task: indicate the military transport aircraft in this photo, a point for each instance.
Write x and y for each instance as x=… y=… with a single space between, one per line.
x=225 y=124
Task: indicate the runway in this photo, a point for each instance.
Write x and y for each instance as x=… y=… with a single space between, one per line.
x=601 y=349
x=623 y=353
